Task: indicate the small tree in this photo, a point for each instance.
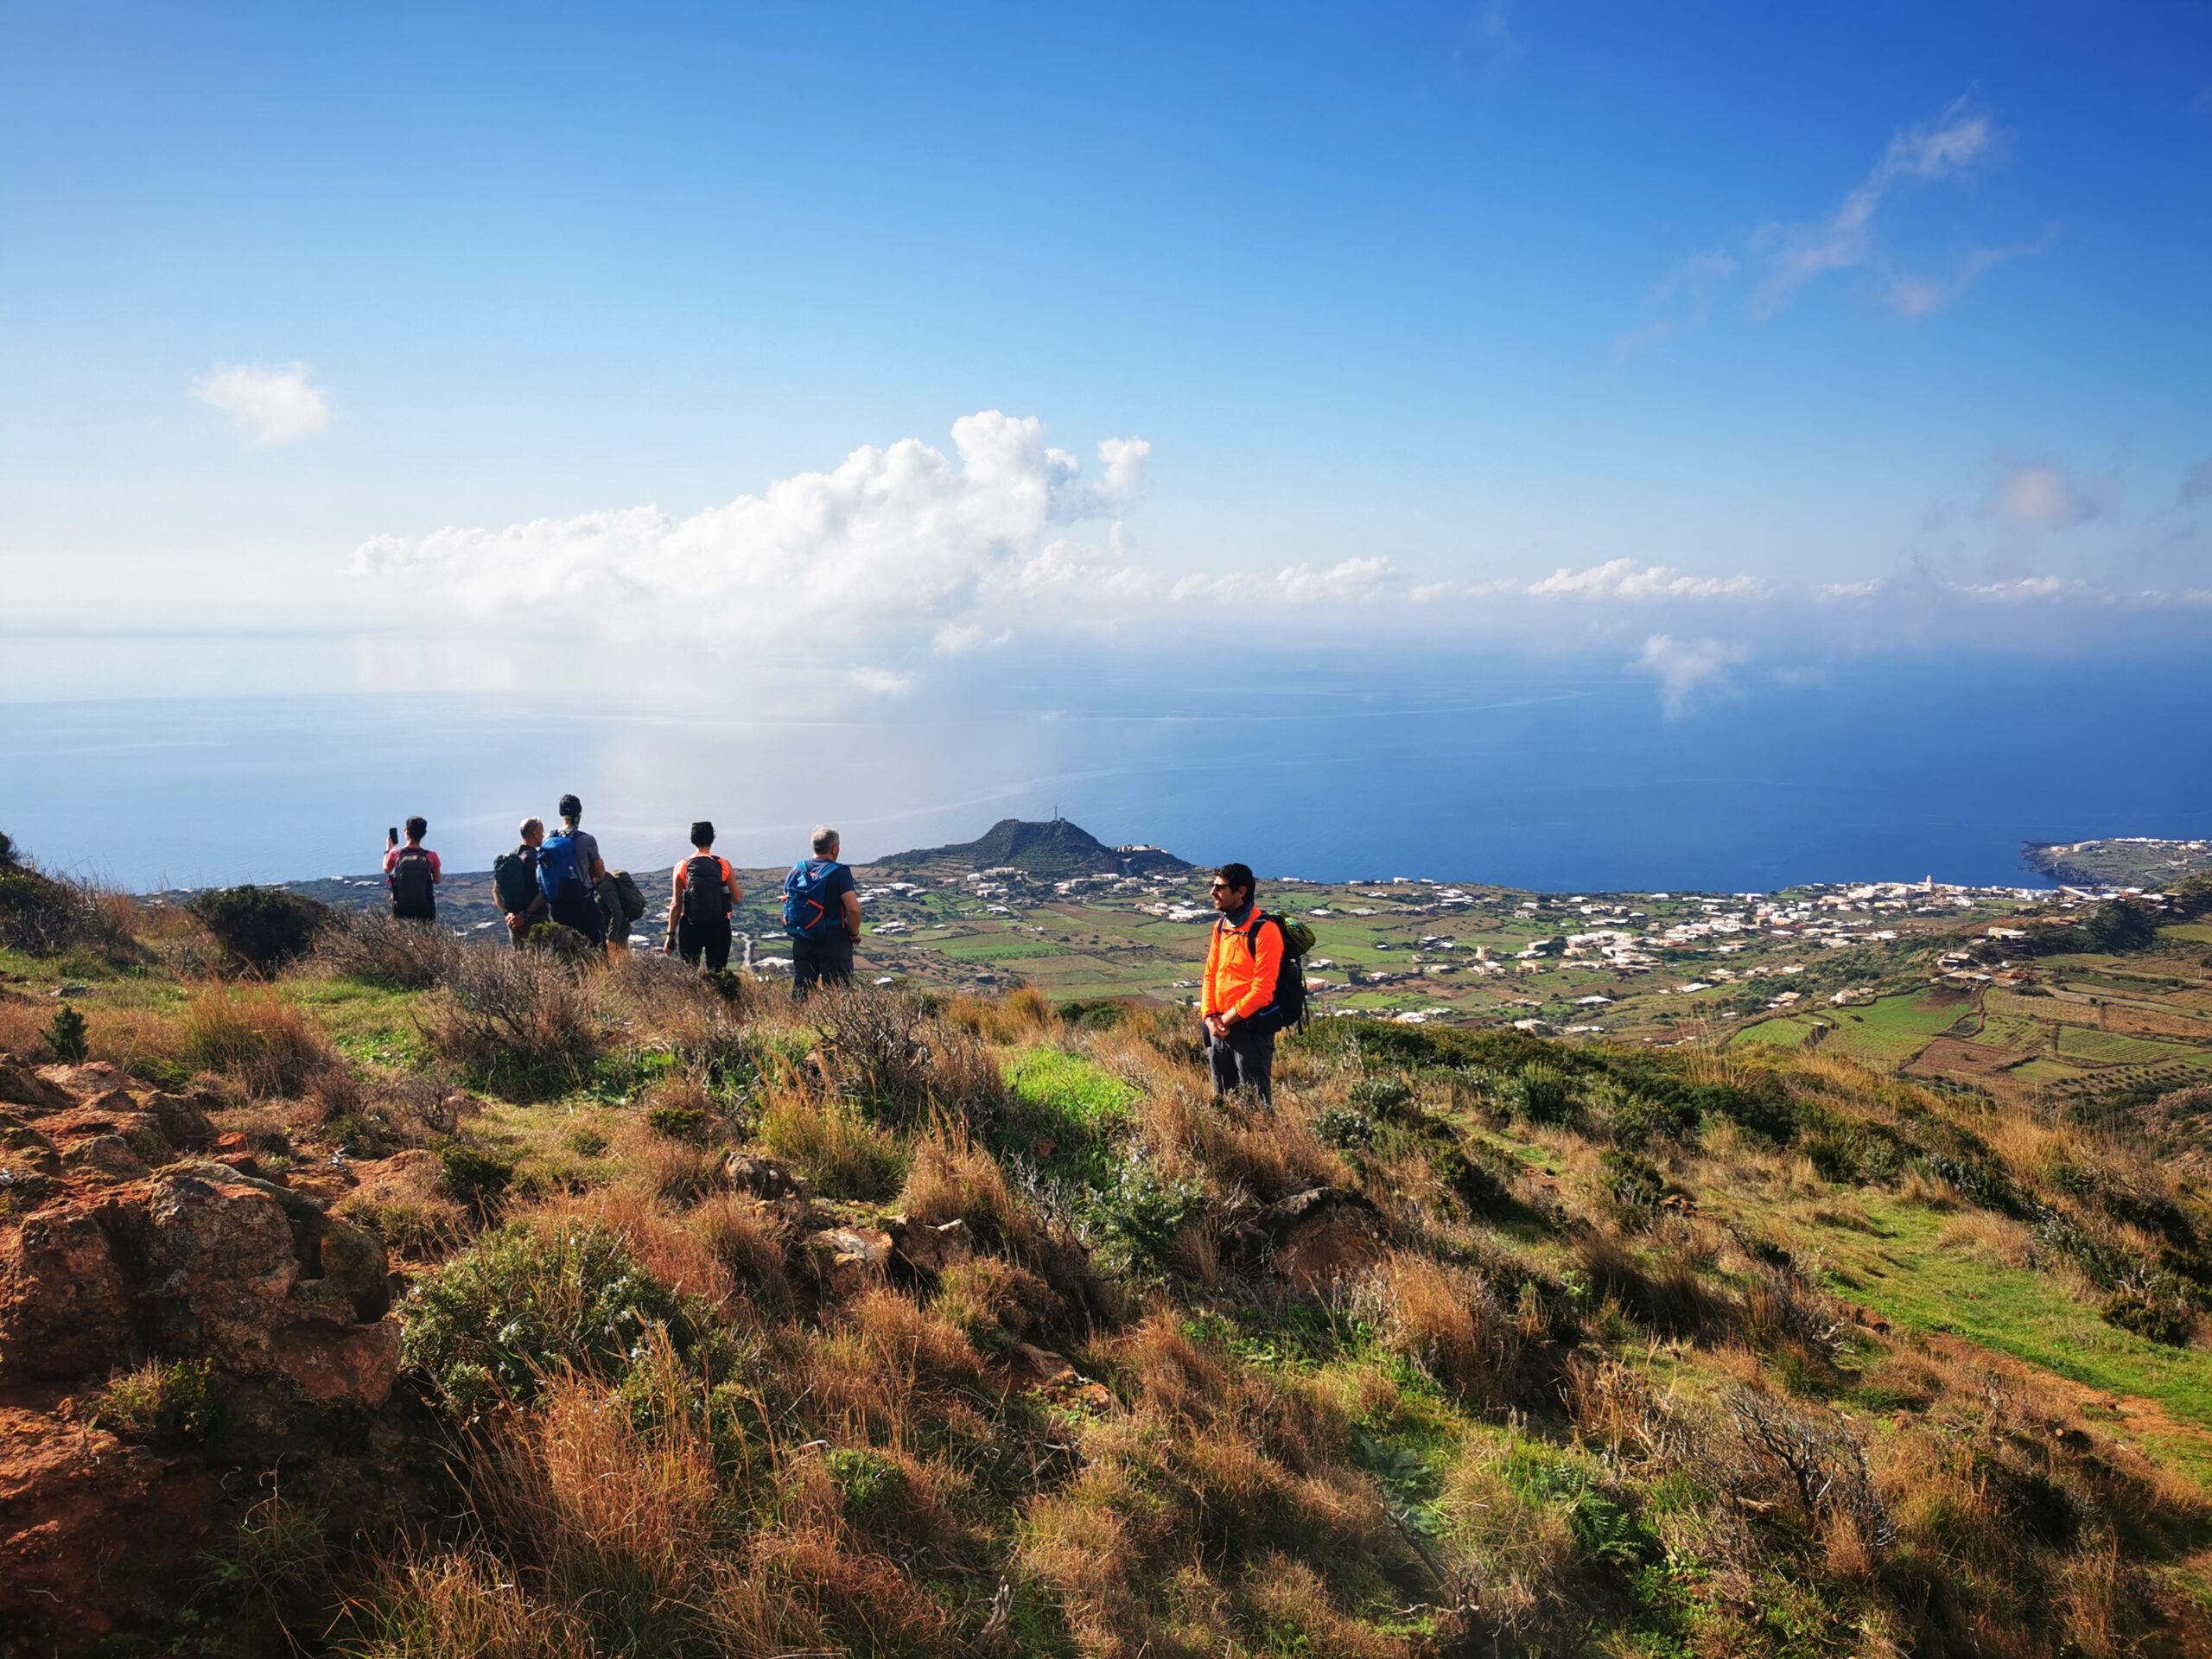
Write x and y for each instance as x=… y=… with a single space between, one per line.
x=65 y=1036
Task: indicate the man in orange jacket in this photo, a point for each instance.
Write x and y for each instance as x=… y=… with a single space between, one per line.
x=1243 y=961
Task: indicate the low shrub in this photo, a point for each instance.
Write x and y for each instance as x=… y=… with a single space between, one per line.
x=496 y=1320
x=1541 y=1093
x=472 y=1177
x=380 y=949
x=263 y=928
x=44 y=915
x=1142 y=1216
x=885 y=1053
x=180 y=1400
x=518 y=1022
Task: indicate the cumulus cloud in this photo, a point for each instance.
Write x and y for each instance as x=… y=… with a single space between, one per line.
x=2041 y=496
x=1353 y=579
x=904 y=533
x=1687 y=670
x=1624 y=579
x=270 y=405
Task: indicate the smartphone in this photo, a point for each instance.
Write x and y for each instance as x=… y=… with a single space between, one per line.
x=391 y=836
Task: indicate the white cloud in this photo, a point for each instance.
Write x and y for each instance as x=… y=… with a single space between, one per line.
x=1624 y=579
x=2041 y=496
x=270 y=405
x=902 y=535
x=2018 y=589
x=1687 y=668
x=1429 y=592
x=1797 y=255
x=1918 y=297
x=1354 y=578
x=959 y=639
x=882 y=682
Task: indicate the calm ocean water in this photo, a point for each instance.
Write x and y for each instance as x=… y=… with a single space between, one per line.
x=1556 y=776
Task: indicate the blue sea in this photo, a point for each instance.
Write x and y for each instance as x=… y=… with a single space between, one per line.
x=1552 y=774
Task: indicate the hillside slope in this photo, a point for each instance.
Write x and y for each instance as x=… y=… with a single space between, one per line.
x=431 y=1299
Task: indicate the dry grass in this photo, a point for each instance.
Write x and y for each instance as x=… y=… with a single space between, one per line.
x=952 y=1178
x=401 y=1199
x=1269 y=1154
x=1446 y=1321
x=1019 y=1016
x=268 y=1046
x=830 y=1142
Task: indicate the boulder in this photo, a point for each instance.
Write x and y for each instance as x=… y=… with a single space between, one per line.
x=1314 y=1239
x=931 y=1247
x=765 y=1178
x=20 y=1086
x=65 y=1303
x=849 y=1260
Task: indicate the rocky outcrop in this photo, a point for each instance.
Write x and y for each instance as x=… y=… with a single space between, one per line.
x=118 y=1242
x=1312 y=1240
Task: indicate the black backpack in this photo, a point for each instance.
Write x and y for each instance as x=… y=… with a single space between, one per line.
x=412 y=890
x=705 y=902
x=1288 y=1011
x=514 y=880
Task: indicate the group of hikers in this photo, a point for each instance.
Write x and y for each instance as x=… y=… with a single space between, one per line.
x=561 y=878
x=1254 y=985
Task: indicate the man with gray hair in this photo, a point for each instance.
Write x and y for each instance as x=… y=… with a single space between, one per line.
x=821 y=913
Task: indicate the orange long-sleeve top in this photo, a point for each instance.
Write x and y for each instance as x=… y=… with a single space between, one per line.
x=1241 y=968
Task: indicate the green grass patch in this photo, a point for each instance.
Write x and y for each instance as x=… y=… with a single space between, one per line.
x=997 y=947
x=1901 y=1270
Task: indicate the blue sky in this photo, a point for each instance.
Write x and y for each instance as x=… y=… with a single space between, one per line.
x=1697 y=335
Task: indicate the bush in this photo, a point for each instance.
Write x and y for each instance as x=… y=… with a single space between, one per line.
x=495 y=1321
x=179 y=1401
x=264 y=928
x=65 y=1036
x=1542 y=1093
x=1380 y=1098
x=1102 y=1015
x=474 y=1178
x=2152 y=1318
x=44 y=915
x=379 y=949
x=518 y=1022
x=1345 y=1128
x=886 y=1054
x=1633 y=1184
x=1143 y=1214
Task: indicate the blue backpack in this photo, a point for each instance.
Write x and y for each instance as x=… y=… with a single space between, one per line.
x=807 y=914
x=557 y=863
